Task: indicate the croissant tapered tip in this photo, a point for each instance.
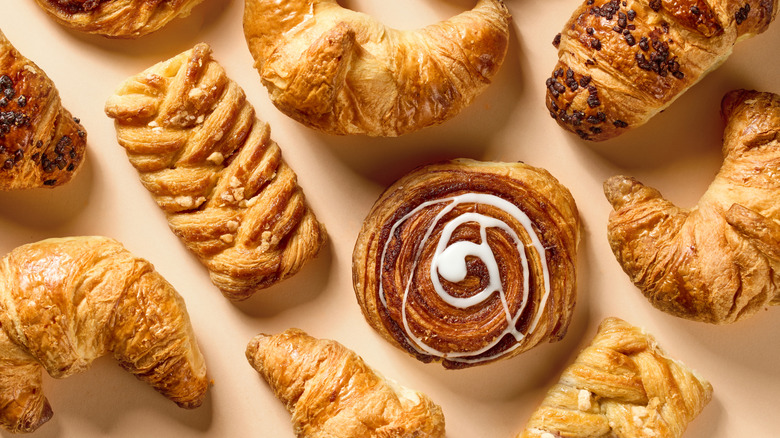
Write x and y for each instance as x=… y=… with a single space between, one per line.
x=731 y=100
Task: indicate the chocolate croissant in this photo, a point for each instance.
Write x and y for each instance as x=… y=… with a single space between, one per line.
x=468 y=262
x=623 y=386
x=343 y=72
x=212 y=167
x=720 y=261
x=117 y=18
x=331 y=392
x=622 y=62
x=66 y=302
x=41 y=144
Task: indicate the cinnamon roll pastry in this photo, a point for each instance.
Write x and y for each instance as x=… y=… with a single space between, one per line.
x=343 y=72
x=212 y=167
x=41 y=144
x=467 y=262
x=621 y=386
x=117 y=18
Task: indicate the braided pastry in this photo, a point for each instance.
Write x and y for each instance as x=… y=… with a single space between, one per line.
x=467 y=262
x=720 y=261
x=211 y=166
x=621 y=386
x=343 y=72
x=41 y=144
x=622 y=62
x=66 y=302
x=331 y=392
x=117 y=18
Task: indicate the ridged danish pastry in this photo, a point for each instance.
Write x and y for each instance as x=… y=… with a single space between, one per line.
x=623 y=386
x=117 y=18
x=622 y=62
x=41 y=144
x=331 y=392
x=467 y=262
x=343 y=72
x=720 y=261
x=212 y=167
x=66 y=302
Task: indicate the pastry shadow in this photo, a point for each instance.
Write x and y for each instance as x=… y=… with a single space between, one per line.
x=708 y=422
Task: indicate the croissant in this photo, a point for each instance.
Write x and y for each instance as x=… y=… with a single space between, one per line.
x=343 y=72
x=41 y=144
x=621 y=386
x=467 y=262
x=720 y=261
x=331 y=392
x=117 y=18
x=212 y=167
x=621 y=62
x=66 y=302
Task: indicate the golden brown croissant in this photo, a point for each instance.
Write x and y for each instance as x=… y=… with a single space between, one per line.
x=41 y=144
x=212 y=167
x=720 y=261
x=66 y=302
x=621 y=386
x=468 y=262
x=343 y=72
x=331 y=392
x=621 y=62
x=117 y=18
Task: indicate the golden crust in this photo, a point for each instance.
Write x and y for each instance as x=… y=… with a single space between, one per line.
x=330 y=391
x=212 y=167
x=66 y=302
x=720 y=261
x=514 y=230
x=343 y=72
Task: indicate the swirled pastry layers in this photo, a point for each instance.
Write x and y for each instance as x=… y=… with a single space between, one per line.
x=622 y=386
x=117 y=18
x=467 y=262
x=212 y=167
x=343 y=72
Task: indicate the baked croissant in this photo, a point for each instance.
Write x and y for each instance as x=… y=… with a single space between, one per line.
x=331 y=392
x=720 y=261
x=343 y=72
x=468 y=262
x=41 y=144
x=621 y=62
x=66 y=302
x=212 y=167
x=117 y=18
x=621 y=386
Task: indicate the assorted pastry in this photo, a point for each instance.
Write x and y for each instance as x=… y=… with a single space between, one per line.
x=66 y=302
x=213 y=168
x=468 y=262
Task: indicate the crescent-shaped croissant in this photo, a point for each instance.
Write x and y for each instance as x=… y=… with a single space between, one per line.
x=331 y=392
x=467 y=262
x=621 y=386
x=622 y=62
x=66 y=302
x=343 y=72
x=117 y=18
x=720 y=261
x=212 y=166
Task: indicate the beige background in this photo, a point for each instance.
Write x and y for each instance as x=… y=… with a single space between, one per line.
x=677 y=152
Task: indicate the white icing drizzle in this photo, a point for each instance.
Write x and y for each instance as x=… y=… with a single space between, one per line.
x=449 y=262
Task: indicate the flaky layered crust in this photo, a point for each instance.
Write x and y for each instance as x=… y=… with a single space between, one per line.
x=66 y=302
x=467 y=262
x=331 y=392
x=720 y=261
x=622 y=62
x=621 y=386
x=212 y=167
x=41 y=144
x=343 y=72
